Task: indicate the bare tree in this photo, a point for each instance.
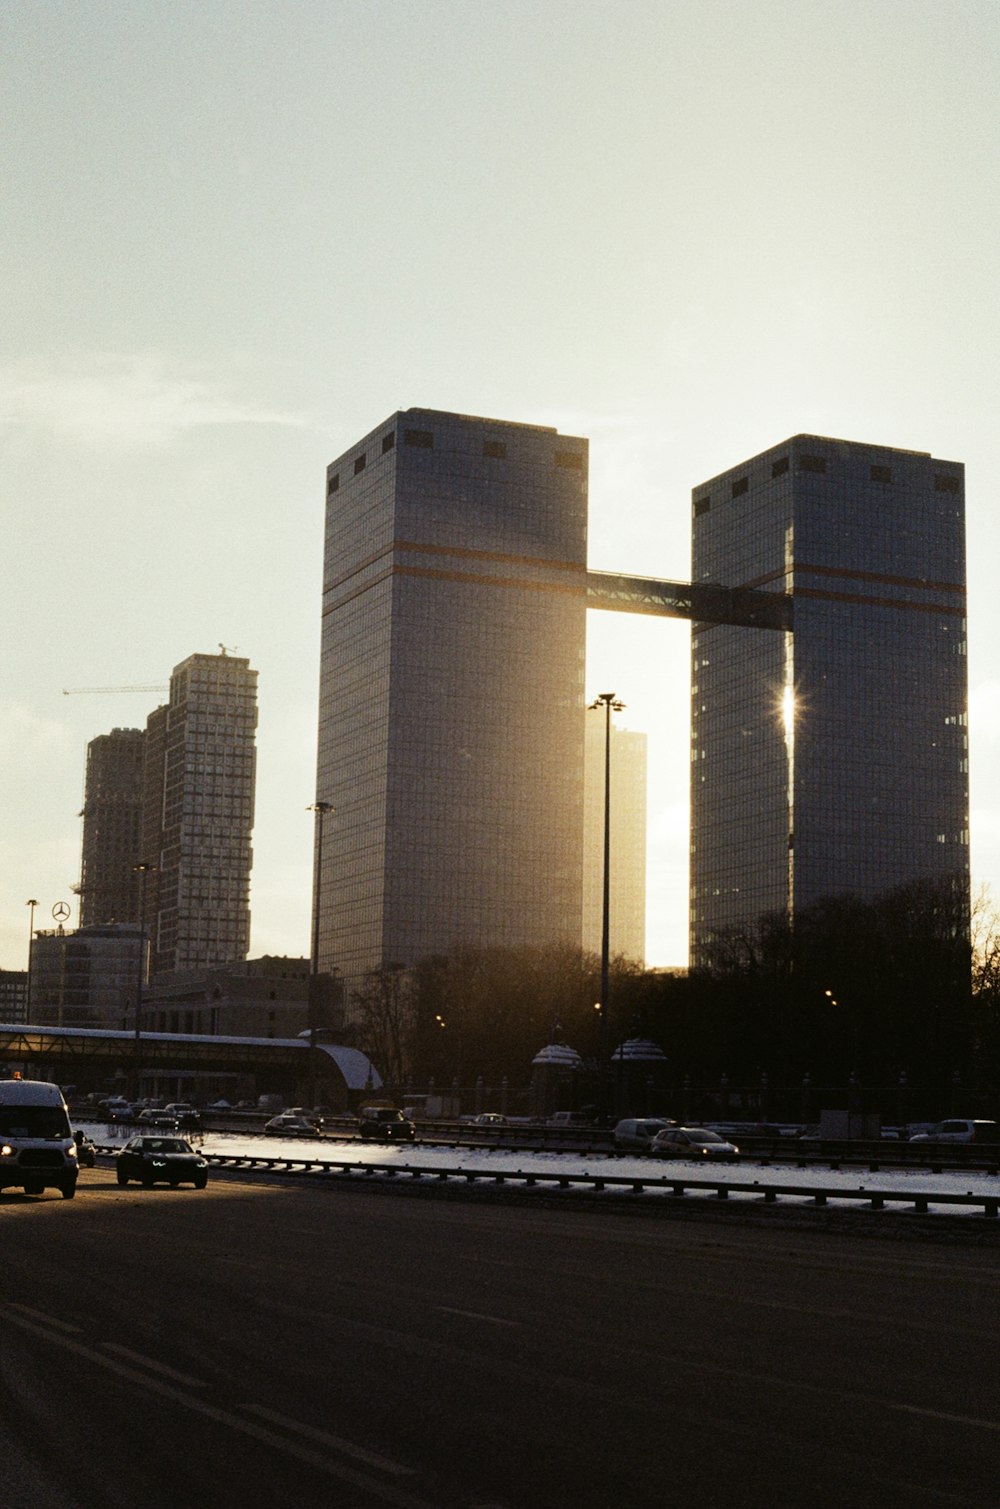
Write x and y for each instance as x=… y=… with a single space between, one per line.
x=385 y=1008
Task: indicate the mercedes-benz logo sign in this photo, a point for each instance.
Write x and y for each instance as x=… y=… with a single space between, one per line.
x=60 y=911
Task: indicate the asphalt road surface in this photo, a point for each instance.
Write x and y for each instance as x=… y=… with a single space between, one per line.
x=281 y=1343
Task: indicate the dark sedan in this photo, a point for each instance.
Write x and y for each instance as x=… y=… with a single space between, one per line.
x=286 y=1125
x=691 y=1142
x=161 y=1160
x=151 y=1118
x=383 y=1124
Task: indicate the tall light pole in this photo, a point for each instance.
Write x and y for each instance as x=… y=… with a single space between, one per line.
x=320 y=809
x=610 y=703
x=31 y=938
x=142 y=870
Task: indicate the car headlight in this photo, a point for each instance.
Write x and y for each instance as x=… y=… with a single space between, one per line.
x=159 y=1162
x=202 y=1163
x=6 y=1151
x=71 y=1151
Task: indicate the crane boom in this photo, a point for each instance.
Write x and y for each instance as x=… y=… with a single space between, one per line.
x=74 y=691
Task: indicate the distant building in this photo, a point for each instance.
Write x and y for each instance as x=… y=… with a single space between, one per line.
x=267 y=997
x=627 y=891
x=86 y=978
x=176 y=802
x=198 y=813
x=112 y=818
x=451 y=690
x=834 y=758
x=13 y=995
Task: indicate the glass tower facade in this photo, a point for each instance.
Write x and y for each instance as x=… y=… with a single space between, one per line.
x=834 y=758
x=451 y=690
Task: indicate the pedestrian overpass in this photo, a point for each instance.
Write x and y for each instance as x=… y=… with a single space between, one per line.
x=92 y=1057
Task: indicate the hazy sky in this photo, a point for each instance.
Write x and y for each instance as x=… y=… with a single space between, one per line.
x=237 y=236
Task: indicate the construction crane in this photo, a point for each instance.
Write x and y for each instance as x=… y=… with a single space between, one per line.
x=75 y=691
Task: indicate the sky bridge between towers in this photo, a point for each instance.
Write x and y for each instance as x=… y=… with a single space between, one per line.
x=704 y=602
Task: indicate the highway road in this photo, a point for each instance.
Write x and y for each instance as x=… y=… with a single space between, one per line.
x=285 y=1343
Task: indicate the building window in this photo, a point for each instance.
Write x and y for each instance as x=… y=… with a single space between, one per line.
x=946 y=484
x=779 y=467
x=494 y=448
x=332 y=483
x=812 y=463
x=881 y=473
x=422 y=438
x=741 y=486
x=388 y=441
x=359 y=463
x=573 y=459
x=702 y=505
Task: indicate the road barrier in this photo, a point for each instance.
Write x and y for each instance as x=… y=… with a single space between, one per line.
x=678 y=1185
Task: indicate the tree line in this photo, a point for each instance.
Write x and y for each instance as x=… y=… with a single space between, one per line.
x=905 y=985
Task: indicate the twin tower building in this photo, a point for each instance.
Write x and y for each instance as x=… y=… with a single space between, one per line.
x=829 y=748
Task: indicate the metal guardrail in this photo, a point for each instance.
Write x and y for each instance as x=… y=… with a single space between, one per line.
x=678 y=1185
x=811 y=1152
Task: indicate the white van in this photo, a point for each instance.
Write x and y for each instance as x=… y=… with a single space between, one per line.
x=37 y=1150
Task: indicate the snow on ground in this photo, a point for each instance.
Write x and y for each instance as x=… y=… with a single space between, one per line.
x=496 y=1160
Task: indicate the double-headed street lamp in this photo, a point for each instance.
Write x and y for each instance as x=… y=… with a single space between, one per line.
x=610 y=704
x=320 y=809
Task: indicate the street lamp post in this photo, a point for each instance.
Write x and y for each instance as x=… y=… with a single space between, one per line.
x=610 y=704
x=320 y=809
x=142 y=870
x=32 y=903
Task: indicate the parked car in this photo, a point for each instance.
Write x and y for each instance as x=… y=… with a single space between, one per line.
x=489 y=1119
x=384 y=1124
x=692 y=1142
x=569 y=1119
x=287 y=1125
x=959 y=1129
x=637 y=1132
x=161 y=1160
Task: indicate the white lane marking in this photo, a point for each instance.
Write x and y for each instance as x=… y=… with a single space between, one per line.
x=49 y=1320
x=153 y=1365
x=493 y=1320
x=940 y=1414
x=387 y=1492
x=326 y=1439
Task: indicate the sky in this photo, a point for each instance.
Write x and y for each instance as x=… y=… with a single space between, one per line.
x=235 y=237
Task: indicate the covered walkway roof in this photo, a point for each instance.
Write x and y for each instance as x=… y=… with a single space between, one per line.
x=66 y=1046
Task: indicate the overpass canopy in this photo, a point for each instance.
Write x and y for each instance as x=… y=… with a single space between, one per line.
x=180 y=1050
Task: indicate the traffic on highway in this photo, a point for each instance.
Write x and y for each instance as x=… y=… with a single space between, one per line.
x=461 y=1156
